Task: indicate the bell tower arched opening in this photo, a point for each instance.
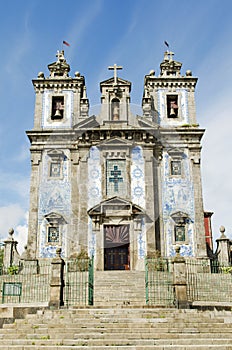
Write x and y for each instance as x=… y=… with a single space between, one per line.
x=115 y=109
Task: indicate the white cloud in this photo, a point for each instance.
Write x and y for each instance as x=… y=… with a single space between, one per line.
x=15 y=183
x=21 y=233
x=13 y=216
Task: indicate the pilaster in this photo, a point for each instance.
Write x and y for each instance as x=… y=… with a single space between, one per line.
x=150 y=195
x=82 y=225
x=75 y=198
x=34 y=204
x=200 y=243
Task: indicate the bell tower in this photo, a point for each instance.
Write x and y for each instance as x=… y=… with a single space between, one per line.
x=60 y=103
x=171 y=95
x=169 y=103
x=115 y=98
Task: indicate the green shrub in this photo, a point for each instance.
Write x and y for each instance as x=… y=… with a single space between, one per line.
x=13 y=270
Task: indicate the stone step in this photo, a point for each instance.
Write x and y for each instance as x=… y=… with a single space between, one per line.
x=115 y=347
x=114 y=341
x=120 y=328
x=118 y=323
x=119 y=288
x=99 y=331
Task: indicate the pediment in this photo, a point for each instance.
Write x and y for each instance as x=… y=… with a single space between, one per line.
x=145 y=123
x=115 y=142
x=110 y=82
x=171 y=64
x=180 y=217
x=55 y=154
x=176 y=152
x=87 y=123
x=115 y=206
x=54 y=218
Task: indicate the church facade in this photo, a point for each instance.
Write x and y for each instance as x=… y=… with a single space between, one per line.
x=117 y=185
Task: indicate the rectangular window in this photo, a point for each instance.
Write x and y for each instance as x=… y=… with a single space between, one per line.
x=53 y=234
x=175 y=167
x=179 y=233
x=57 y=107
x=116 y=177
x=55 y=169
x=172 y=106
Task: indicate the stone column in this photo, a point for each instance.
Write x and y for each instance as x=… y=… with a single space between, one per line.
x=223 y=248
x=200 y=243
x=34 y=205
x=57 y=281
x=158 y=183
x=11 y=255
x=149 y=193
x=99 y=257
x=83 y=199
x=38 y=109
x=73 y=243
x=180 y=280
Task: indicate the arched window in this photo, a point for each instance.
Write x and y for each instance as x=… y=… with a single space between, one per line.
x=115 y=109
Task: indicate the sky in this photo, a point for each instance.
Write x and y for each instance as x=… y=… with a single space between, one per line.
x=130 y=33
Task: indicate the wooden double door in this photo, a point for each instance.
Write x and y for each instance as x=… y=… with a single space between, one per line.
x=116 y=247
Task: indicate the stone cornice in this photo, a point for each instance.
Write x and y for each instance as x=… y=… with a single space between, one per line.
x=165 y=82
x=58 y=84
x=186 y=132
x=73 y=138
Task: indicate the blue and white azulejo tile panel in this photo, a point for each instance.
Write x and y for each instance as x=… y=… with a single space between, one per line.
x=177 y=195
x=54 y=197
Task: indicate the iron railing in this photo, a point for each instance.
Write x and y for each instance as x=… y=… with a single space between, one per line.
x=208 y=281
x=159 y=282
x=91 y=281
x=28 y=282
x=78 y=282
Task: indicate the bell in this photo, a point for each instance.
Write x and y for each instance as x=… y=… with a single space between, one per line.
x=172 y=112
x=58 y=114
x=116 y=113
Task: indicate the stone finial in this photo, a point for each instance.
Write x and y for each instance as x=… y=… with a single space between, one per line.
x=170 y=67
x=84 y=92
x=11 y=232
x=58 y=252
x=60 y=68
x=188 y=73
x=222 y=230
x=166 y=58
x=152 y=72
x=177 y=249
x=41 y=75
x=60 y=56
x=77 y=74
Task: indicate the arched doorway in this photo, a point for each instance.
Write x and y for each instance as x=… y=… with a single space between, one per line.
x=116 y=247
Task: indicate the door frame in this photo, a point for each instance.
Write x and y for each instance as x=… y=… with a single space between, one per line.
x=117 y=240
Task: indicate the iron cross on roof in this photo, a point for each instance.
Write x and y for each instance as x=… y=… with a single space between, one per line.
x=115 y=68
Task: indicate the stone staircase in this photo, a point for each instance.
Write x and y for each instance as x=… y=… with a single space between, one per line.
x=119 y=320
x=120 y=328
x=117 y=288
